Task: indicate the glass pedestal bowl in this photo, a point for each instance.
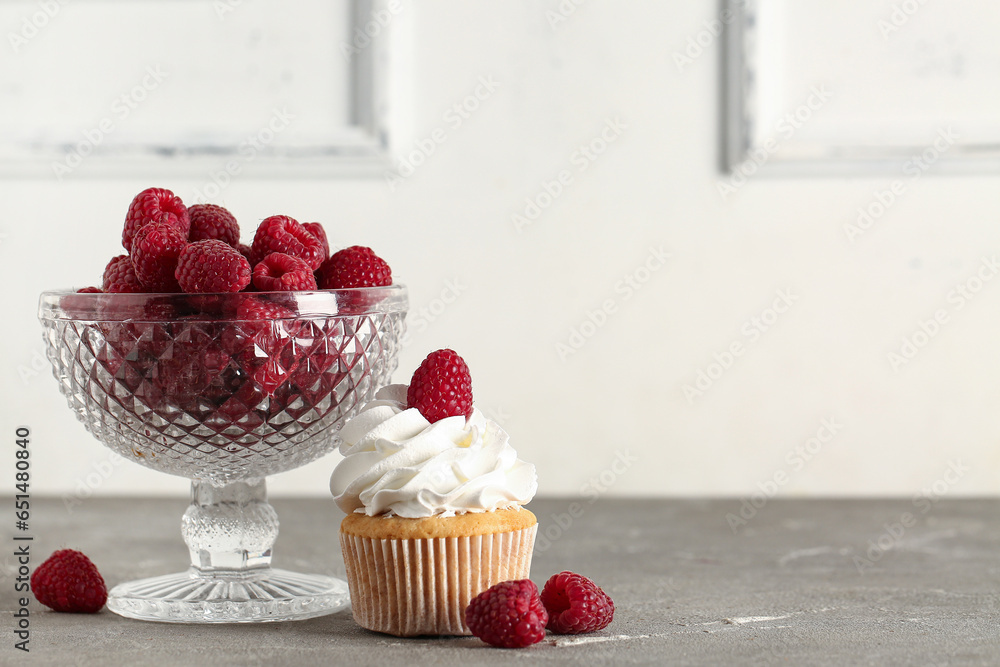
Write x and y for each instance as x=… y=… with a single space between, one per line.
x=223 y=389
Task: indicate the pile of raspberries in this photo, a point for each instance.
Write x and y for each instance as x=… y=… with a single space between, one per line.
x=196 y=249
x=218 y=358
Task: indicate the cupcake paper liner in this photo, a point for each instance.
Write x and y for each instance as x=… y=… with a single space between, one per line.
x=422 y=586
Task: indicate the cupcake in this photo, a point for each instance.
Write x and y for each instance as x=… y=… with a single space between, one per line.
x=433 y=494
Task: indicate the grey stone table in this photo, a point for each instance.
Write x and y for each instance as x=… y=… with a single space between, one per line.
x=825 y=582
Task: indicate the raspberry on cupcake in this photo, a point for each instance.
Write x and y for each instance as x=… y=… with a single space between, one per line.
x=438 y=485
x=441 y=387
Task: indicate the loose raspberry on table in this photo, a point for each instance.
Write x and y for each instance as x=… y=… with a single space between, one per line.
x=576 y=604
x=509 y=615
x=155 y=205
x=316 y=229
x=279 y=272
x=441 y=387
x=209 y=221
x=280 y=233
x=212 y=266
x=356 y=266
x=155 y=250
x=69 y=582
x=119 y=276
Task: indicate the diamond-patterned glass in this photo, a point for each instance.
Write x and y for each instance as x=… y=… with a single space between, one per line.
x=202 y=389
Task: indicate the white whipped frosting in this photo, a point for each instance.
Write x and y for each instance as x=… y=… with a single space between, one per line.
x=398 y=463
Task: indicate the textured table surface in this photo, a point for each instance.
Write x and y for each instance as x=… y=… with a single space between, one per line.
x=823 y=582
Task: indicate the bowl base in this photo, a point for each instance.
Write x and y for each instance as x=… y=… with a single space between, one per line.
x=265 y=594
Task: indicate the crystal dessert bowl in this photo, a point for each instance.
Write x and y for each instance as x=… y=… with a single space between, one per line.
x=224 y=389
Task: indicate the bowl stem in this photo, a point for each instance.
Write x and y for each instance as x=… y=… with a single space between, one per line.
x=229 y=529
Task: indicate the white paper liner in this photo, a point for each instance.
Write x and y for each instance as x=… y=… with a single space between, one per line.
x=422 y=586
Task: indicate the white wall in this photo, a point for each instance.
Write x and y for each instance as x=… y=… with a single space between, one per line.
x=654 y=187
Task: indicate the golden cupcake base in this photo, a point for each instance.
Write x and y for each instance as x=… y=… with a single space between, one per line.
x=411 y=577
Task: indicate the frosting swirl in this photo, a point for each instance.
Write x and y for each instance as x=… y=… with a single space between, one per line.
x=398 y=463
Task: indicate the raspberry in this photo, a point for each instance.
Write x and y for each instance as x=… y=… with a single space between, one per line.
x=211 y=266
x=254 y=309
x=509 y=615
x=319 y=370
x=196 y=368
x=245 y=407
x=317 y=230
x=244 y=250
x=69 y=582
x=441 y=387
x=576 y=604
x=280 y=233
x=279 y=272
x=356 y=266
x=209 y=221
x=155 y=250
x=155 y=205
x=161 y=309
x=262 y=345
x=90 y=290
x=119 y=276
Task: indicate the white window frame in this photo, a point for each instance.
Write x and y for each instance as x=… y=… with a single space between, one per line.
x=741 y=108
x=365 y=150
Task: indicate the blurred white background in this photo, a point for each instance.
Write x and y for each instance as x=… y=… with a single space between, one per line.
x=648 y=332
